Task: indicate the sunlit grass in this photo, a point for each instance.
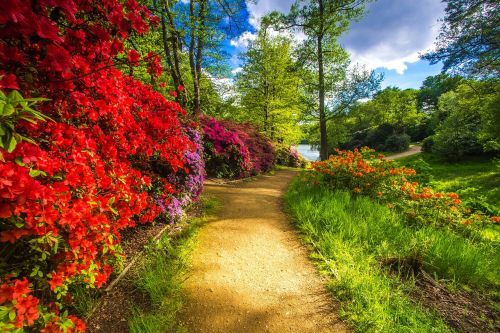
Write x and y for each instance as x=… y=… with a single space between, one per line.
x=160 y=276
x=475 y=179
x=353 y=237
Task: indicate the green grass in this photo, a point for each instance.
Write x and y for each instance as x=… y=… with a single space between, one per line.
x=476 y=180
x=160 y=276
x=352 y=237
x=86 y=299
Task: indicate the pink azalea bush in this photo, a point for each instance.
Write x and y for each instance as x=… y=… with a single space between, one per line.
x=235 y=150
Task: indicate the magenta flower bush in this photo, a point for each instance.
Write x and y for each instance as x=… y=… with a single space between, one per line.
x=235 y=150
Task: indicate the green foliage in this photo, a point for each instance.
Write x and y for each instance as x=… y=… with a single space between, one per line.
x=269 y=86
x=396 y=107
x=469 y=38
x=15 y=108
x=397 y=142
x=476 y=180
x=433 y=87
x=427 y=144
x=473 y=122
x=289 y=156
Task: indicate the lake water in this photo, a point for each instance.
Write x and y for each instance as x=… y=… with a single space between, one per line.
x=308 y=153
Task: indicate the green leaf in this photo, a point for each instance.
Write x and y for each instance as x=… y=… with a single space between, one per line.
x=15 y=97
x=35 y=173
x=11 y=144
x=4 y=311
x=12 y=315
x=8 y=109
x=28 y=119
x=113 y=210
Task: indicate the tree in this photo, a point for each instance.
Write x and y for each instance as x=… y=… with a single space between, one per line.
x=433 y=87
x=349 y=85
x=322 y=22
x=473 y=122
x=191 y=36
x=469 y=42
x=269 y=88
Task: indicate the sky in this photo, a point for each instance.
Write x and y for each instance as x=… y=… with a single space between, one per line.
x=388 y=38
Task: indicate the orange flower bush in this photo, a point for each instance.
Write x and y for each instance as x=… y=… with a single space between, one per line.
x=364 y=173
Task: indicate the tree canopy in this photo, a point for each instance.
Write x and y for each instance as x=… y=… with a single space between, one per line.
x=469 y=42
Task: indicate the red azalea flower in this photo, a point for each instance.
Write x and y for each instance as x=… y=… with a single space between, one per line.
x=133 y=57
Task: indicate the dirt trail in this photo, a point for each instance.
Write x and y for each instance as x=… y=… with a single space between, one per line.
x=249 y=272
x=412 y=151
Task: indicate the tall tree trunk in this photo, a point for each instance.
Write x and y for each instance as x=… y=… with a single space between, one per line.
x=197 y=26
x=176 y=50
x=199 y=55
x=323 y=151
x=192 y=45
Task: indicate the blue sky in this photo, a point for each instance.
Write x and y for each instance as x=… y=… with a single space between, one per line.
x=389 y=38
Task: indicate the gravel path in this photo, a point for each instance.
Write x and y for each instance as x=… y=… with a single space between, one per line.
x=412 y=151
x=249 y=272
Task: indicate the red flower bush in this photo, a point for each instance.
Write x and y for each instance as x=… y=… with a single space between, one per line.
x=361 y=172
x=235 y=150
x=100 y=165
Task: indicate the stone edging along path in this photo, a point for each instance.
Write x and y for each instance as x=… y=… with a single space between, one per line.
x=250 y=272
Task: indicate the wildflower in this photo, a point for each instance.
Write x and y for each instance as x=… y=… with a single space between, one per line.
x=356 y=190
x=495 y=219
x=379 y=194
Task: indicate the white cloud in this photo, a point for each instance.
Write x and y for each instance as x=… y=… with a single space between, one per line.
x=243 y=40
x=393 y=33
x=262 y=7
x=236 y=70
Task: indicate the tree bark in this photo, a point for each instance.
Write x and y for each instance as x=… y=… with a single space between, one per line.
x=192 y=44
x=196 y=44
x=176 y=50
x=323 y=151
x=199 y=56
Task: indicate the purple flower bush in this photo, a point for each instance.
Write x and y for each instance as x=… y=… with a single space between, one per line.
x=190 y=182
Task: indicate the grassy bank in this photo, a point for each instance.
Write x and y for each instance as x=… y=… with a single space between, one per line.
x=476 y=180
x=159 y=277
x=355 y=239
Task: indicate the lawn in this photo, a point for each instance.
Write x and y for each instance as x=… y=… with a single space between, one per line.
x=354 y=238
x=476 y=180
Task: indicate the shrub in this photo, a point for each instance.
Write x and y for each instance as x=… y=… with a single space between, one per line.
x=235 y=150
x=262 y=152
x=457 y=136
x=289 y=156
x=362 y=173
x=377 y=137
x=397 y=143
x=423 y=170
x=427 y=144
x=472 y=125
x=102 y=161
